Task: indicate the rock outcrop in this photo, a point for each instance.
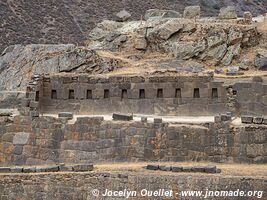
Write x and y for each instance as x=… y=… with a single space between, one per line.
x=64 y=21
x=22 y=62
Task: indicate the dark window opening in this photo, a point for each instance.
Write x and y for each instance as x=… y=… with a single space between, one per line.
x=106 y=94
x=196 y=93
x=214 y=93
x=53 y=94
x=234 y=92
x=89 y=94
x=142 y=94
x=178 y=93
x=37 y=96
x=160 y=93
x=71 y=94
x=124 y=94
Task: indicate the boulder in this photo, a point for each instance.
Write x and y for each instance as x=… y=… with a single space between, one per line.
x=261 y=59
x=247 y=17
x=192 y=12
x=228 y=12
x=156 y=13
x=122 y=16
x=232 y=52
x=140 y=43
x=166 y=30
x=187 y=50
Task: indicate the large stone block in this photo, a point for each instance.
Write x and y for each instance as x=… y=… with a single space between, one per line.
x=21 y=138
x=257 y=120
x=152 y=167
x=83 y=167
x=228 y=12
x=29 y=169
x=246 y=119
x=4 y=169
x=192 y=12
x=67 y=115
x=121 y=116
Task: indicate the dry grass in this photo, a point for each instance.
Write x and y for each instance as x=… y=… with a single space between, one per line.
x=227 y=169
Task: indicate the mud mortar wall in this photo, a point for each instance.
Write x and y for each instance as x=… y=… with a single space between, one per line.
x=47 y=140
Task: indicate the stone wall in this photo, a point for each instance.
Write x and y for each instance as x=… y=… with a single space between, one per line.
x=48 y=140
x=80 y=186
x=160 y=95
x=163 y=95
x=251 y=98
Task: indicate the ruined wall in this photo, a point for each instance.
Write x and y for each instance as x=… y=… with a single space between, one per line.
x=163 y=95
x=251 y=98
x=53 y=140
x=160 y=95
x=80 y=185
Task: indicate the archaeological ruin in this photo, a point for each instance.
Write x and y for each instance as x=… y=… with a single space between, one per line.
x=172 y=101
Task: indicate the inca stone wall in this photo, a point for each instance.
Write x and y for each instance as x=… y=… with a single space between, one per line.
x=47 y=140
x=80 y=186
x=161 y=95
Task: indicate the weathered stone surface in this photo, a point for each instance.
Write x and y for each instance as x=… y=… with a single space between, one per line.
x=29 y=169
x=225 y=117
x=21 y=138
x=121 y=116
x=228 y=12
x=192 y=12
x=83 y=167
x=165 y=168
x=140 y=43
x=16 y=169
x=246 y=119
x=122 y=16
x=261 y=59
x=247 y=17
x=177 y=169
x=187 y=169
x=198 y=169
x=152 y=167
x=165 y=30
x=157 y=120
x=47 y=59
x=67 y=115
x=144 y=119
x=211 y=169
x=4 y=169
x=135 y=181
x=65 y=168
x=152 y=13
x=257 y=120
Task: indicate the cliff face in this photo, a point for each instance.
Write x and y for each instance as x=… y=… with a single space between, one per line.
x=65 y=21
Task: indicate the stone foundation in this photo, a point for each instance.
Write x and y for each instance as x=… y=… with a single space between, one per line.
x=80 y=186
x=49 y=140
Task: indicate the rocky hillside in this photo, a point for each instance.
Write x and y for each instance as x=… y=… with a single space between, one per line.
x=65 y=21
